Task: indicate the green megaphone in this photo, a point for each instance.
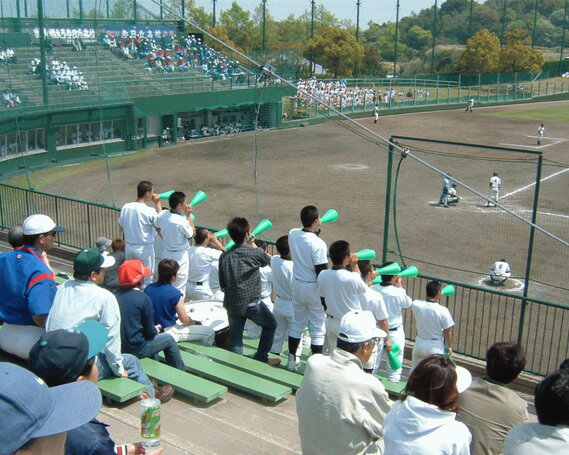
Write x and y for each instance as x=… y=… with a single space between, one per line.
x=329 y=217
x=192 y=217
x=222 y=233
x=391 y=269
x=366 y=255
x=392 y=357
x=448 y=290
x=166 y=194
x=410 y=272
x=263 y=226
x=377 y=279
x=199 y=197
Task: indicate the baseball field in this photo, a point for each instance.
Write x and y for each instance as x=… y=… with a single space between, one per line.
x=273 y=174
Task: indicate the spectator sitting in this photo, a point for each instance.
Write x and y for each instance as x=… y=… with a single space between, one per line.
x=16 y=236
x=425 y=417
x=111 y=280
x=168 y=303
x=81 y=299
x=68 y=356
x=38 y=417
x=200 y=259
x=139 y=335
x=551 y=435
x=103 y=243
x=489 y=408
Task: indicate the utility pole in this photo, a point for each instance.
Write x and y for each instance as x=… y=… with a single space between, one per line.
x=312 y=64
x=563 y=37
x=396 y=38
x=42 y=54
x=503 y=22
x=183 y=4
x=534 y=25
x=358 y=3
x=264 y=23
x=470 y=20
x=434 y=39
x=214 y=2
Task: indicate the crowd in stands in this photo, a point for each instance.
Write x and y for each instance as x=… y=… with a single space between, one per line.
x=165 y=53
x=11 y=99
x=60 y=73
x=7 y=56
x=138 y=301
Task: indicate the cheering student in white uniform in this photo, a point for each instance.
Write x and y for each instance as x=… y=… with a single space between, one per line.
x=281 y=267
x=254 y=330
x=373 y=301
x=495 y=185
x=339 y=289
x=214 y=282
x=540 y=133
x=309 y=258
x=137 y=220
x=177 y=228
x=434 y=325
x=200 y=260
x=396 y=300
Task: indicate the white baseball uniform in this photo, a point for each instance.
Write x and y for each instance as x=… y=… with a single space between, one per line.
x=307 y=251
x=431 y=318
x=176 y=231
x=396 y=299
x=339 y=288
x=500 y=272
x=495 y=185
x=282 y=283
x=372 y=301
x=214 y=282
x=540 y=133
x=254 y=330
x=137 y=221
x=200 y=260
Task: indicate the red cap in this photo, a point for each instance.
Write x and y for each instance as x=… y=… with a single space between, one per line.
x=132 y=272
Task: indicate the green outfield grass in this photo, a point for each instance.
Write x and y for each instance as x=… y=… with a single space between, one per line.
x=545 y=114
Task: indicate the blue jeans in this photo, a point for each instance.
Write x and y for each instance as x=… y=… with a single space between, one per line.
x=133 y=367
x=164 y=342
x=260 y=315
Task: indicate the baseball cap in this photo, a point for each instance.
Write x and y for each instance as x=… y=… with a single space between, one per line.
x=463 y=379
x=59 y=357
x=32 y=410
x=103 y=243
x=91 y=259
x=40 y=224
x=132 y=272
x=357 y=326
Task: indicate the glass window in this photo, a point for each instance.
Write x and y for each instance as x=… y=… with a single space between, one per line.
x=117 y=129
x=153 y=125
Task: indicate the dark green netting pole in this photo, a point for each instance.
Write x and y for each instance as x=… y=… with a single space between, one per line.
x=387 y=200
x=42 y=54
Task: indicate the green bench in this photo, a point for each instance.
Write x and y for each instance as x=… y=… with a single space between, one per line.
x=393 y=388
x=240 y=380
x=243 y=363
x=251 y=343
x=120 y=389
x=187 y=384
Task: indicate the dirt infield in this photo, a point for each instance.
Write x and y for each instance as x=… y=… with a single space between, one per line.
x=272 y=174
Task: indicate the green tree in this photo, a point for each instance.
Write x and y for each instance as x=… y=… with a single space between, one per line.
x=239 y=25
x=371 y=63
x=482 y=54
x=418 y=38
x=122 y=9
x=335 y=49
x=517 y=55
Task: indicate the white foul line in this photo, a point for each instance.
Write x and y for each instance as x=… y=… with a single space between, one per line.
x=532 y=184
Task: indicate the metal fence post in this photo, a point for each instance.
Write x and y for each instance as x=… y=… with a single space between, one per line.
x=387 y=201
x=530 y=247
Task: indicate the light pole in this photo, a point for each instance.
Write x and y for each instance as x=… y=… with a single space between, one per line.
x=434 y=39
x=396 y=38
x=358 y=3
x=214 y=2
x=312 y=64
x=563 y=37
x=264 y=23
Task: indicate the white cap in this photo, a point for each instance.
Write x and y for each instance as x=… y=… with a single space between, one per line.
x=40 y=224
x=463 y=379
x=358 y=326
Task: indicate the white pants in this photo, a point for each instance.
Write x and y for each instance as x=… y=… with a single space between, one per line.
x=494 y=194
x=254 y=330
x=217 y=295
x=282 y=312
x=307 y=308
x=145 y=253
x=331 y=338
x=181 y=332
x=426 y=347
x=374 y=357
x=396 y=337
x=184 y=261
x=199 y=291
x=19 y=339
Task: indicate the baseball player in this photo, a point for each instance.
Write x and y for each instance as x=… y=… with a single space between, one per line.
x=396 y=300
x=200 y=260
x=434 y=325
x=446 y=186
x=137 y=220
x=495 y=184
x=309 y=258
x=540 y=133
x=375 y=114
x=470 y=105
x=339 y=289
x=500 y=272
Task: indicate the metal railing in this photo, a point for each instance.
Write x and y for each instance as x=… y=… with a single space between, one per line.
x=482 y=316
